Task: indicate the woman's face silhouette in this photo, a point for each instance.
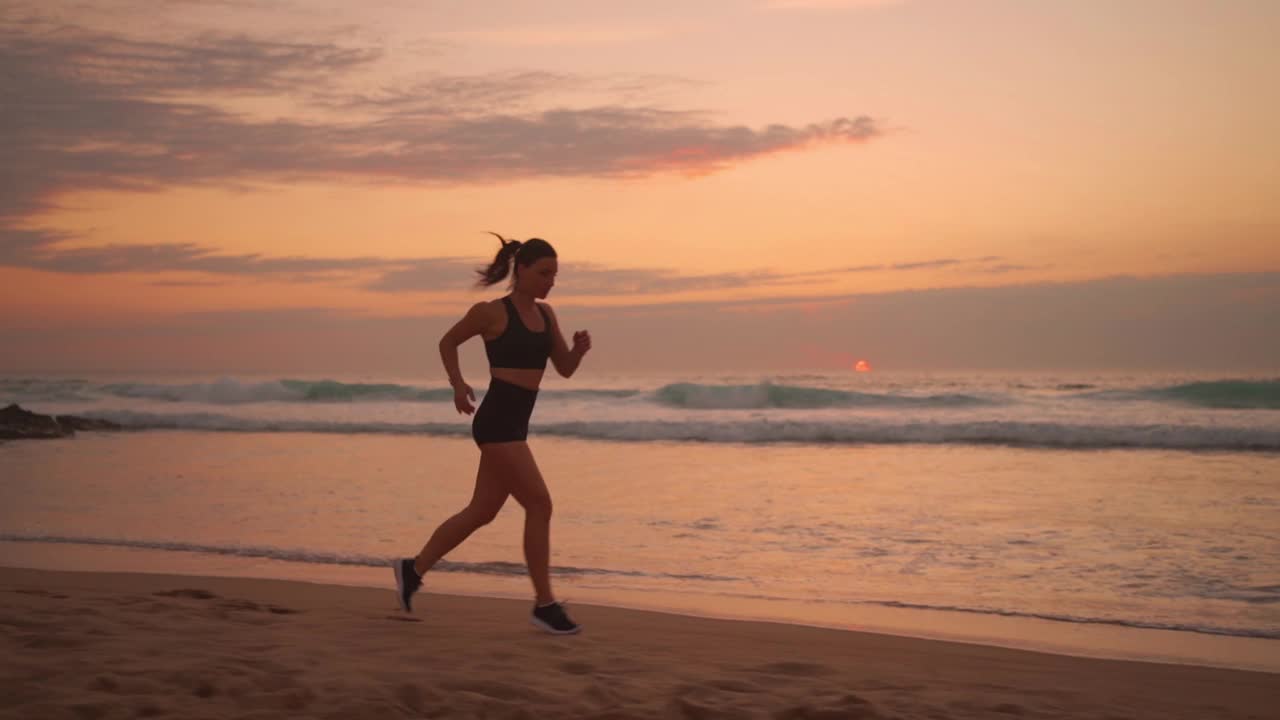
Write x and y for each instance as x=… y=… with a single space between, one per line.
x=537 y=279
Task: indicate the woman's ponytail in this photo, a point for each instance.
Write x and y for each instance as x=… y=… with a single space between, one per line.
x=501 y=265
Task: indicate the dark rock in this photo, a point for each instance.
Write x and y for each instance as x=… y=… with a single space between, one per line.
x=19 y=424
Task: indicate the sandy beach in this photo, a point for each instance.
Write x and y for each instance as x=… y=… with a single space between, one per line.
x=115 y=645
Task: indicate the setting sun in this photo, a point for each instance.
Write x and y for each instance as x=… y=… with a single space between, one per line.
x=862 y=366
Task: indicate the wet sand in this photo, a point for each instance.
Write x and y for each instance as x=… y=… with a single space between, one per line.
x=117 y=645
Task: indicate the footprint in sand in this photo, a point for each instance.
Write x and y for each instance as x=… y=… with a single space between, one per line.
x=795 y=669
x=737 y=686
x=228 y=604
x=42 y=593
x=849 y=707
x=250 y=606
x=193 y=593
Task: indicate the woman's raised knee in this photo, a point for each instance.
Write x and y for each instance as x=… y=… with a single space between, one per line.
x=539 y=503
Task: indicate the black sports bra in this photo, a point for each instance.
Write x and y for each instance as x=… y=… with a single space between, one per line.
x=518 y=346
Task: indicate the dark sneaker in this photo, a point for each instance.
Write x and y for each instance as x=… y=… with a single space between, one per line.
x=553 y=619
x=407 y=582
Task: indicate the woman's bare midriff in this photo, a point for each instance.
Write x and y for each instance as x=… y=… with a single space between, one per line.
x=527 y=378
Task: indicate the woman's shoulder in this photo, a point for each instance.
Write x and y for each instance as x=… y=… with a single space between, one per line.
x=488 y=309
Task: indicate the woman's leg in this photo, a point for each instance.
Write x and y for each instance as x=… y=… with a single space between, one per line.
x=525 y=483
x=486 y=501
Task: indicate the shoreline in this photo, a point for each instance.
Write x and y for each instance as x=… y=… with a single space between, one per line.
x=112 y=643
x=1085 y=641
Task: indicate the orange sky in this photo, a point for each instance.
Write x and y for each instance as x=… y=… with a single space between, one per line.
x=177 y=160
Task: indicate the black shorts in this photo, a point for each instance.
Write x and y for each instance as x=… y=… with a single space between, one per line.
x=504 y=413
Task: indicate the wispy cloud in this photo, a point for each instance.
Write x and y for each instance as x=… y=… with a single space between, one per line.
x=1003 y=268
x=42 y=251
x=516 y=92
x=582 y=279
x=925 y=264
x=979 y=264
x=36 y=250
x=90 y=110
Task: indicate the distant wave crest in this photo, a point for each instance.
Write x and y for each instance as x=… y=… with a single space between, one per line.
x=770 y=395
x=1227 y=394
x=1208 y=394
x=757 y=430
x=229 y=391
x=1211 y=394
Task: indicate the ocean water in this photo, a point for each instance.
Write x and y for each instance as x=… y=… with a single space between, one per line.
x=1154 y=412
x=1132 y=516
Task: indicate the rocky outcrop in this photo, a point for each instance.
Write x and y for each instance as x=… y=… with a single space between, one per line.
x=19 y=424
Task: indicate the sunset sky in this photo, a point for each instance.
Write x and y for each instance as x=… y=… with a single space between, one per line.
x=306 y=186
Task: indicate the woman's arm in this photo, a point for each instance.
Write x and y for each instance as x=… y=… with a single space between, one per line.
x=565 y=359
x=473 y=323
